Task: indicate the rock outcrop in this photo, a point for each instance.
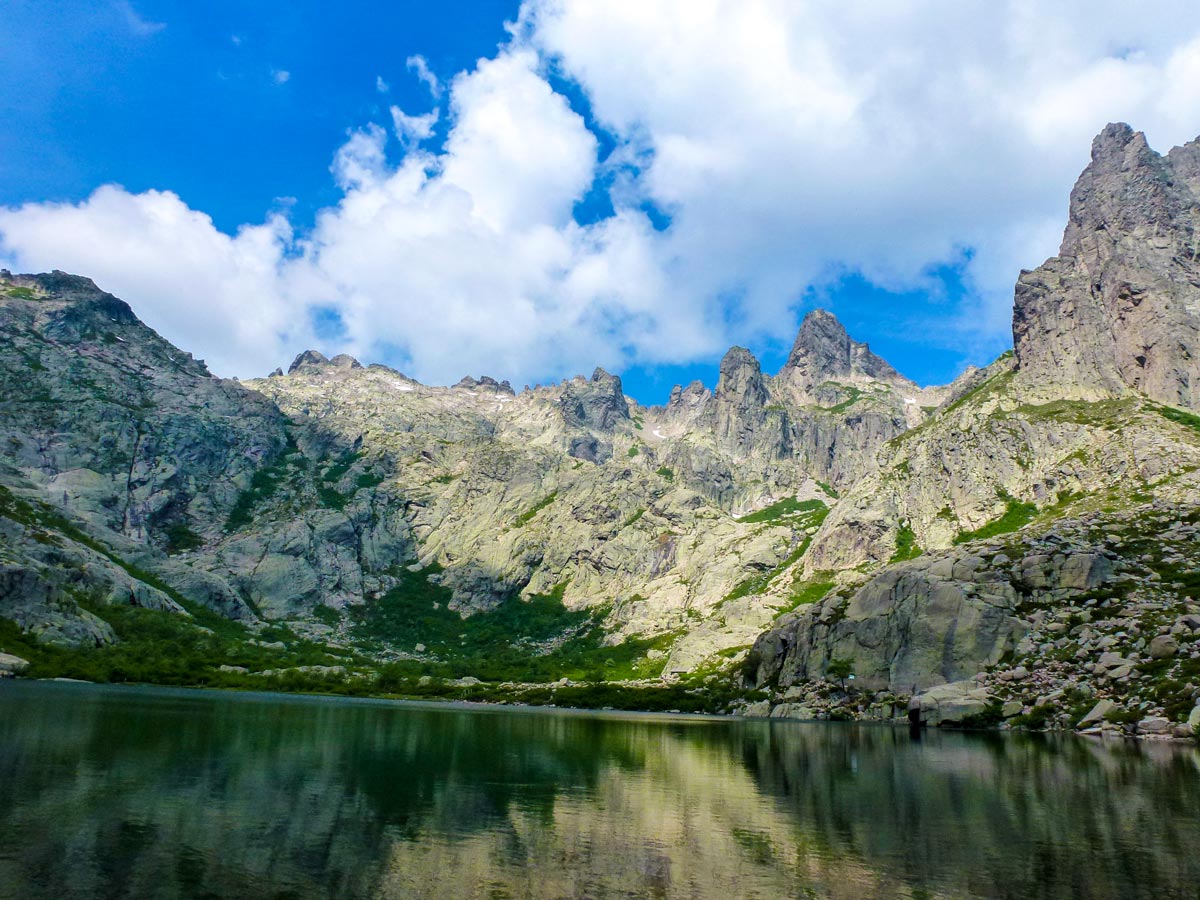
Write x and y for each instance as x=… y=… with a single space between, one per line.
x=824 y=353
x=1118 y=309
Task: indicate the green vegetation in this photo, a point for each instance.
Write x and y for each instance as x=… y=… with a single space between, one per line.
x=989 y=717
x=798 y=514
x=47 y=525
x=808 y=592
x=1191 y=420
x=538 y=639
x=906 y=544
x=167 y=648
x=180 y=537
x=526 y=517
x=782 y=509
x=841 y=668
x=1037 y=718
x=666 y=473
x=327 y=615
x=1016 y=515
x=21 y=293
x=264 y=484
x=827 y=489
x=1107 y=414
x=855 y=396
x=633 y=518
x=633 y=451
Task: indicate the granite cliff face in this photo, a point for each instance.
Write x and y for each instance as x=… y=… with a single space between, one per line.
x=831 y=512
x=1119 y=308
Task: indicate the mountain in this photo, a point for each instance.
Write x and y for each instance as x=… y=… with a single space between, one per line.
x=982 y=545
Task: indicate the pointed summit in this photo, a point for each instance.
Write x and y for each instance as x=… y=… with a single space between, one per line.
x=1119 y=307
x=825 y=352
x=741 y=379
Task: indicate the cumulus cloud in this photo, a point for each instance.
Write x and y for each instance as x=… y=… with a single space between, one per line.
x=219 y=296
x=783 y=144
x=281 y=76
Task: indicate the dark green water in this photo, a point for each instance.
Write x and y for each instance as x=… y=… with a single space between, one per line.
x=147 y=793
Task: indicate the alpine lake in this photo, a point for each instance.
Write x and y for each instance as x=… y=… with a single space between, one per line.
x=131 y=792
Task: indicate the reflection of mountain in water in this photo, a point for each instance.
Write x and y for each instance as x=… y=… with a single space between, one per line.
x=122 y=793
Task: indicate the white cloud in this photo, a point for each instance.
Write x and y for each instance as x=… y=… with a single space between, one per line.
x=413 y=129
x=789 y=142
x=221 y=297
x=137 y=24
x=425 y=74
x=281 y=76
x=381 y=86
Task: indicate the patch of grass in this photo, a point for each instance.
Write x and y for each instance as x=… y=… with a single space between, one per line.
x=782 y=509
x=633 y=451
x=827 y=489
x=633 y=518
x=808 y=592
x=855 y=396
x=1098 y=414
x=1191 y=420
x=21 y=293
x=526 y=517
x=664 y=472
x=906 y=544
x=443 y=479
x=1016 y=514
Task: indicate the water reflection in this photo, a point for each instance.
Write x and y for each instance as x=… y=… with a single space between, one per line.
x=108 y=792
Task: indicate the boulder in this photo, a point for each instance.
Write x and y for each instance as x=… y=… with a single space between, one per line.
x=1097 y=714
x=1163 y=647
x=950 y=704
x=12 y=665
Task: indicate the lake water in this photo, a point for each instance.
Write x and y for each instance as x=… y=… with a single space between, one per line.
x=117 y=792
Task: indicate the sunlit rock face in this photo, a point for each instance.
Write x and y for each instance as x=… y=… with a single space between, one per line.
x=1119 y=308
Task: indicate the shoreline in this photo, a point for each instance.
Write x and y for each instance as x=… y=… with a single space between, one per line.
x=496 y=705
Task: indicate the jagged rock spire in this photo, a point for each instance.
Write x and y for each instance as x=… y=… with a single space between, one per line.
x=1119 y=307
x=823 y=351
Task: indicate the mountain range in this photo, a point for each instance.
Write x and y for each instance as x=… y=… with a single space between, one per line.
x=1017 y=546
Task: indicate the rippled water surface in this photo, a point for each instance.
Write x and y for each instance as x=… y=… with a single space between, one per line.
x=145 y=793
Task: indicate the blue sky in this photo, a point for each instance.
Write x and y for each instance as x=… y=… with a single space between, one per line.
x=622 y=184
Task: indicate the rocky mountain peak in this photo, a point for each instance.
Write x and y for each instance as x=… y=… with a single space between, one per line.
x=824 y=351
x=1119 y=307
x=484 y=383
x=741 y=380
x=599 y=403
x=307 y=361
x=314 y=361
